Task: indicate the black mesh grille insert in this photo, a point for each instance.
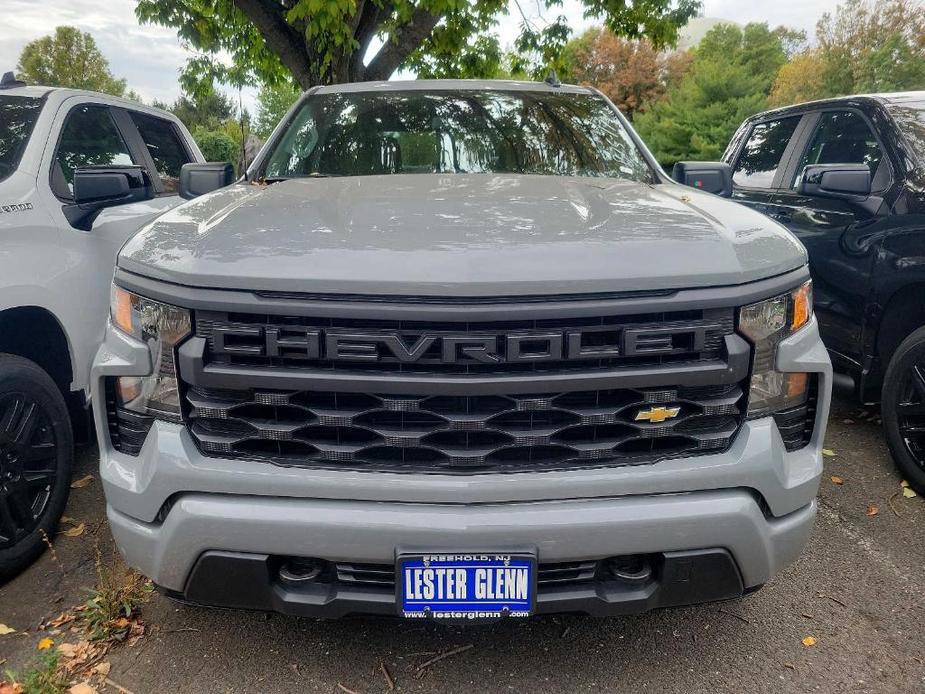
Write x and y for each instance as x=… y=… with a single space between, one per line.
x=472 y=433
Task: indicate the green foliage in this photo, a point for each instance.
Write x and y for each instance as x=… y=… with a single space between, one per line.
x=321 y=42
x=273 y=102
x=69 y=58
x=729 y=79
x=216 y=145
x=43 y=676
x=863 y=47
x=207 y=109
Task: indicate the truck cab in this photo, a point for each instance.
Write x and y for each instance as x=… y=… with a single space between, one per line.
x=847 y=176
x=80 y=173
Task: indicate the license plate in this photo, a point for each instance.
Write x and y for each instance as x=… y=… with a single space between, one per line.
x=466 y=586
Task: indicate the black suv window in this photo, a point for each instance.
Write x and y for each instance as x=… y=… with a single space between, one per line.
x=841 y=137
x=759 y=159
x=90 y=138
x=166 y=149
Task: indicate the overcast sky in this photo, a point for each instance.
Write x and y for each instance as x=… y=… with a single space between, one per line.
x=150 y=57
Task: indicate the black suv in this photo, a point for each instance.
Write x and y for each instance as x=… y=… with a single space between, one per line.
x=847 y=176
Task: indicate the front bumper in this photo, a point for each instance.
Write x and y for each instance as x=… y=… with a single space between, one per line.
x=171 y=508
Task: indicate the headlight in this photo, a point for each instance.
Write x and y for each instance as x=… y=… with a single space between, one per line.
x=162 y=327
x=766 y=324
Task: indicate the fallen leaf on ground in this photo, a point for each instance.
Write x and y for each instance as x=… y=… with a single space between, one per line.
x=11 y=688
x=837 y=480
x=828 y=451
x=76 y=531
x=45 y=644
x=102 y=669
x=67 y=649
x=872 y=510
x=809 y=641
x=82 y=482
x=4 y=629
x=120 y=623
x=909 y=493
x=58 y=621
x=82 y=688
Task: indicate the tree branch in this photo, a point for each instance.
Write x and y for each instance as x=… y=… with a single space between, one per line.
x=282 y=39
x=406 y=39
x=366 y=24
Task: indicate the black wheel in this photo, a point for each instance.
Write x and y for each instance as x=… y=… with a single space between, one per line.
x=904 y=408
x=36 y=450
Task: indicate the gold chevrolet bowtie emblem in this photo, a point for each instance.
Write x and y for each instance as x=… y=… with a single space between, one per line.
x=655 y=415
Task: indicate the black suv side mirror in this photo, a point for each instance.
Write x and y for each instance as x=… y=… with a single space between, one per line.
x=710 y=176
x=99 y=187
x=844 y=181
x=199 y=179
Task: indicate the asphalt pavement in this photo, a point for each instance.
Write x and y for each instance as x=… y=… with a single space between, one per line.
x=858 y=590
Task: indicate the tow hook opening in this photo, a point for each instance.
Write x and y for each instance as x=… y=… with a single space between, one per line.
x=298 y=571
x=631 y=569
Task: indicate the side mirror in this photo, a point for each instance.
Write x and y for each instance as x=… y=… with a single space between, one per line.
x=710 y=176
x=843 y=181
x=199 y=179
x=99 y=187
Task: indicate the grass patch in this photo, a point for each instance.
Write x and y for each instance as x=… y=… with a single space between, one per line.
x=43 y=677
x=111 y=612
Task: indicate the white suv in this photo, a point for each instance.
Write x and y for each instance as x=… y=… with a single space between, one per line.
x=79 y=174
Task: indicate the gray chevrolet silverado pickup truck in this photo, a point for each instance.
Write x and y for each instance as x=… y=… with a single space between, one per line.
x=460 y=350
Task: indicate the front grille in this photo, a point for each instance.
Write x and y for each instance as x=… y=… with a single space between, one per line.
x=590 y=389
x=463 y=432
x=669 y=337
x=548 y=574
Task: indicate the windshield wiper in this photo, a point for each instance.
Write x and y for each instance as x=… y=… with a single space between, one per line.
x=314 y=174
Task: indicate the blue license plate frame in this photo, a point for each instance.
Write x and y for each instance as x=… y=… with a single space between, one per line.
x=496 y=585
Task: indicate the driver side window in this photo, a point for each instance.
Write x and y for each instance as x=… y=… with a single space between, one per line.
x=841 y=137
x=90 y=138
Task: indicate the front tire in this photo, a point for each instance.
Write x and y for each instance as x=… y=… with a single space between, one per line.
x=36 y=452
x=903 y=408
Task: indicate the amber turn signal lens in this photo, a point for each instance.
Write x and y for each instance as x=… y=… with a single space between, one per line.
x=122 y=305
x=797 y=383
x=802 y=306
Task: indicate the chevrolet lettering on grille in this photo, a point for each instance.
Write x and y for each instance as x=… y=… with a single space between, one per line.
x=298 y=342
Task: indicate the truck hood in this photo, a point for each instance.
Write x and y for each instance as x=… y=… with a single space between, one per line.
x=460 y=235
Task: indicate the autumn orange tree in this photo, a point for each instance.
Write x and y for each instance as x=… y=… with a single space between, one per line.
x=632 y=73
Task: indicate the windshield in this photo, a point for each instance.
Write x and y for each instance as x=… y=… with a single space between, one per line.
x=17 y=118
x=910 y=117
x=447 y=132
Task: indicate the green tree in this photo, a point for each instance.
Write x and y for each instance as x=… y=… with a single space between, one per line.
x=206 y=109
x=69 y=58
x=862 y=47
x=316 y=42
x=216 y=145
x=729 y=79
x=272 y=104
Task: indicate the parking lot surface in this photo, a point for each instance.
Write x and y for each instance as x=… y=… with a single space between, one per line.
x=858 y=590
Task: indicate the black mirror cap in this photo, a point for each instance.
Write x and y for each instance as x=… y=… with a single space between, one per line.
x=199 y=179
x=107 y=186
x=99 y=187
x=845 y=181
x=710 y=176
